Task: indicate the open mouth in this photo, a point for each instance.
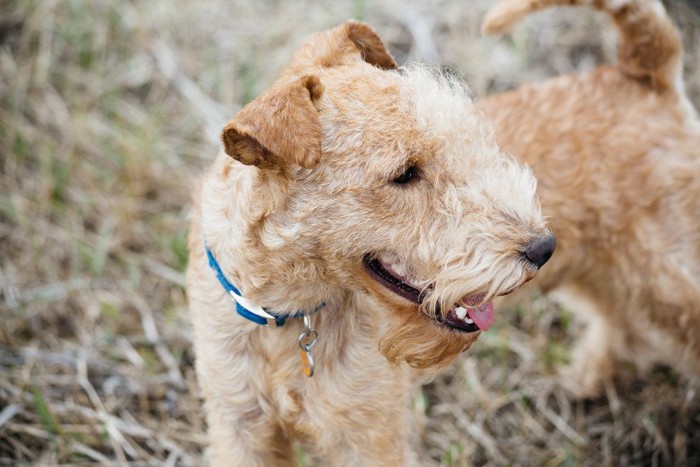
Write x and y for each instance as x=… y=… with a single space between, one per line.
x=469 y=315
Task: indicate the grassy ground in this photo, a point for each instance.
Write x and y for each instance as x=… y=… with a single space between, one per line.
x=108 y=108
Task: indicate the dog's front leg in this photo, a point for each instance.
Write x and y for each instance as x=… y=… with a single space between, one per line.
x=244 y=429
x=376 y=443
x=364 y=422
x=244 y=436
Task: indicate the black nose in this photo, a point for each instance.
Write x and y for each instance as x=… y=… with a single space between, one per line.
x=539 y=251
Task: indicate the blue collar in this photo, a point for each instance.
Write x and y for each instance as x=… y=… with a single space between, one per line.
x=245 y=307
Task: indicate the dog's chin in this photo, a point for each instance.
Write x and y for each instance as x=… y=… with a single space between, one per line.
x=471 y=315
x=413 y=337
x=409 y=335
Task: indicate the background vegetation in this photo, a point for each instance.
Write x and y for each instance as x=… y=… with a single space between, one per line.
x=108 y=109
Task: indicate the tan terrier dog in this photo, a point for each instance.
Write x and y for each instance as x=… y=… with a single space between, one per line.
x=370 y=209
x=617 y=156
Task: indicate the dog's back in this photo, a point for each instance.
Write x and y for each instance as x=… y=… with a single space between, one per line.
x=615 y=154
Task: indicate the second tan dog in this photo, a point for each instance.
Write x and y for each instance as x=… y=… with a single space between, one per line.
x=617 y=155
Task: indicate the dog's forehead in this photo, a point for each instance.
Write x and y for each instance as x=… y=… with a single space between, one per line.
x=414 y=113
x=365 y=93
x=367 y=112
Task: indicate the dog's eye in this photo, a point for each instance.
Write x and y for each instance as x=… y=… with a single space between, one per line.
x=409 y=174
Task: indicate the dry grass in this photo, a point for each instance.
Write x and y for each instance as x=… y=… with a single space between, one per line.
x=107 y=109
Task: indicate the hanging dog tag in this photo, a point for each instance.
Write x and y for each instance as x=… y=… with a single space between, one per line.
x=307 y=363
x=306 y=340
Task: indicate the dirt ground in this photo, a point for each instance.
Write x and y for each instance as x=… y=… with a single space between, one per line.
x=108 y=109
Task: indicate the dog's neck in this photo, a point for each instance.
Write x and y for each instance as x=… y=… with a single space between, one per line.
x=248 y=309
x=246 y=240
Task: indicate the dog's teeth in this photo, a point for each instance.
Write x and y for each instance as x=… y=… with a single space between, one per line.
x=461 y=312
x=469 y=321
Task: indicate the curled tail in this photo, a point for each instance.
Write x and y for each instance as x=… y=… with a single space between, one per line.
x=650 y=48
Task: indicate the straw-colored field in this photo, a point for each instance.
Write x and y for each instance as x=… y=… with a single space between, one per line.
x=108 y=109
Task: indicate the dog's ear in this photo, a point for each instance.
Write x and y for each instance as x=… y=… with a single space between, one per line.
x=280 y=128
x=371 y=47
x=350 y=42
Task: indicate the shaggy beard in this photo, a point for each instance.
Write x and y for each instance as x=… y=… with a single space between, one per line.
x=415 y=336
x=492 y=276
x=420 y=341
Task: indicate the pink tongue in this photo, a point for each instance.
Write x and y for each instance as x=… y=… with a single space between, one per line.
x=482 y=315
